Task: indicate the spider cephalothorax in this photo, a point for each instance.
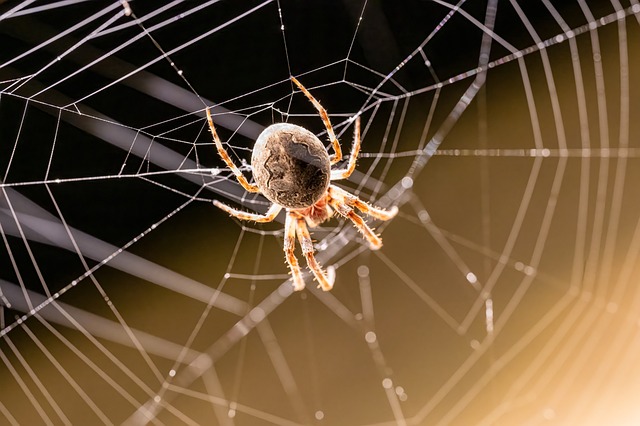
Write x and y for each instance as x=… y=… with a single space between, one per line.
x=292 y=169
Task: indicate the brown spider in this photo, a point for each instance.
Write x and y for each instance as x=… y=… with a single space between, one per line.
x=292 y=169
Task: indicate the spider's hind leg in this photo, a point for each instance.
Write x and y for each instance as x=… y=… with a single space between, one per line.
x=337 y=156
x=228 y=161
x=339 y=174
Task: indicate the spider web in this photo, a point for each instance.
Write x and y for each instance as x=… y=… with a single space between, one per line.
x=505 y=290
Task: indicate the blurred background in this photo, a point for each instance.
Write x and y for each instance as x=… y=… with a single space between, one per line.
x=506 y=290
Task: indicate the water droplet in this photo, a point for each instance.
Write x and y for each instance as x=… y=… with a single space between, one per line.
x=370 y=337
x=363 y=271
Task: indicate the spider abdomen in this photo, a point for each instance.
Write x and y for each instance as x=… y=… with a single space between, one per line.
x=290 y=166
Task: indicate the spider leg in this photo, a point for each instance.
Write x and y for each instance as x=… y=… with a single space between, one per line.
x=353 y=201
x=289 y=246
x=242 y=215
x=353 y=157
x=225 y=157
x=307 y=250
x=337 y=156
x=374 y=240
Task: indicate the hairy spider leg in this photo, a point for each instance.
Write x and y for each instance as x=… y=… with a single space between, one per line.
x=353 y=157
x=289 y=247
x=307 y=250
x=353 y=201
x=225 y=157
x=337 y=156
x=374 y=240
x=256 y=217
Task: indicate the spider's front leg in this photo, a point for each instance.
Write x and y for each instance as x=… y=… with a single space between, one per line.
x=344 y=203
x=289 y=247
x=374 y=240
x=307 y=250
x=353 y=201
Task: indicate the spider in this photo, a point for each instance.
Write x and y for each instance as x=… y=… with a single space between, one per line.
x=292 y=169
